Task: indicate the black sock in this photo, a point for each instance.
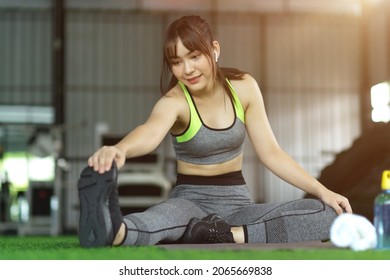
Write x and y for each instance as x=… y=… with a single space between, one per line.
x=245 y=233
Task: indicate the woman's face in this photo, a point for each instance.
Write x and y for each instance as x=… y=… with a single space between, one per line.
x=192 y=68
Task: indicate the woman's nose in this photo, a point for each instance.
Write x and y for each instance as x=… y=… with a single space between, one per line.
x=188 y=67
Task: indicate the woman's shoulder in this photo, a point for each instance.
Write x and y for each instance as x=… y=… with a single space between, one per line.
x=175 y=94
x=176 y=103
x=174 y=99
x=246 y=81
x=246 y=88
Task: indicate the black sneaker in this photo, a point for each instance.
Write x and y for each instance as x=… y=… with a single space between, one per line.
x=211 y=229
x=99 y=218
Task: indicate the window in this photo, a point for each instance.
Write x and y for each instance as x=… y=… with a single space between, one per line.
x=380 y=102
x=26 y=114
x=20 y=168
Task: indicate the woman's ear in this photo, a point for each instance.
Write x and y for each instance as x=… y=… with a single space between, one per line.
x=217 y=50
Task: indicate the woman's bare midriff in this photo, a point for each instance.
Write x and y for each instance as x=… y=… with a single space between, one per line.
x=210 y=169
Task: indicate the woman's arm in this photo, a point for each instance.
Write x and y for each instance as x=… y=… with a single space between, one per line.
x=143 y=139
x=273 y=157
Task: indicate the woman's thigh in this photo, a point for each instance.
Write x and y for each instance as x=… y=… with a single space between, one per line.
x=293 y=221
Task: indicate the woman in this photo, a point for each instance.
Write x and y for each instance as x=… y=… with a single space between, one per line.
x=207 y=110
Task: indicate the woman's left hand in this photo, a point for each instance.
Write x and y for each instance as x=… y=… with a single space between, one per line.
x=338 y=202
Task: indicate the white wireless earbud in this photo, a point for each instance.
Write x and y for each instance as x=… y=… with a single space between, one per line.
x=216 y=56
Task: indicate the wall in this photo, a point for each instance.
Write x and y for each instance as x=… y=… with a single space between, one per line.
x=378 y=35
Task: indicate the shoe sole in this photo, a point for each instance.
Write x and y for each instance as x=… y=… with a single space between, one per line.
x=95 y=226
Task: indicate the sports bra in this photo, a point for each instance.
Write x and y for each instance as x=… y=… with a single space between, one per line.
x=200 y=144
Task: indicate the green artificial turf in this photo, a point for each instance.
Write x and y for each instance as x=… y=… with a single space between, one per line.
x=67 y=248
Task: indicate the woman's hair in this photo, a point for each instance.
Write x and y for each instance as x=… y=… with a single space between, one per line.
x=195 y=34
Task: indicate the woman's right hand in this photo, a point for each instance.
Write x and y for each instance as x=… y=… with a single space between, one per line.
x=102 y=159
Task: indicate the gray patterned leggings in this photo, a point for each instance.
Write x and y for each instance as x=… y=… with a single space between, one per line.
x=229 y=197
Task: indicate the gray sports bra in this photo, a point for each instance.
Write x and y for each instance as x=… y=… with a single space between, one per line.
x=200 y=144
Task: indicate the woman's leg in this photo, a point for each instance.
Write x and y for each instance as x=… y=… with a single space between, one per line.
x=162 y=223
x=102 y=224
x=294 y=221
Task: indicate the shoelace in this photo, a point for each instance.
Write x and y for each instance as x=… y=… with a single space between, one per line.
x=216 y=236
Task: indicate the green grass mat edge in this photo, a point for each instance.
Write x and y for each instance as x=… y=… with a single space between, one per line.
x=67 y=248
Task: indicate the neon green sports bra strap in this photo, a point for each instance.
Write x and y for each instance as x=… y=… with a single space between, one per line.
x=195 y=122
x=237 y=104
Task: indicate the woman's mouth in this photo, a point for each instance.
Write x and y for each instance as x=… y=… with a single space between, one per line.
x=193 y=80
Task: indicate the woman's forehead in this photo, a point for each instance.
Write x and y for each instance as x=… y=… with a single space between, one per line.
x=182 y=50
x=177 y=48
